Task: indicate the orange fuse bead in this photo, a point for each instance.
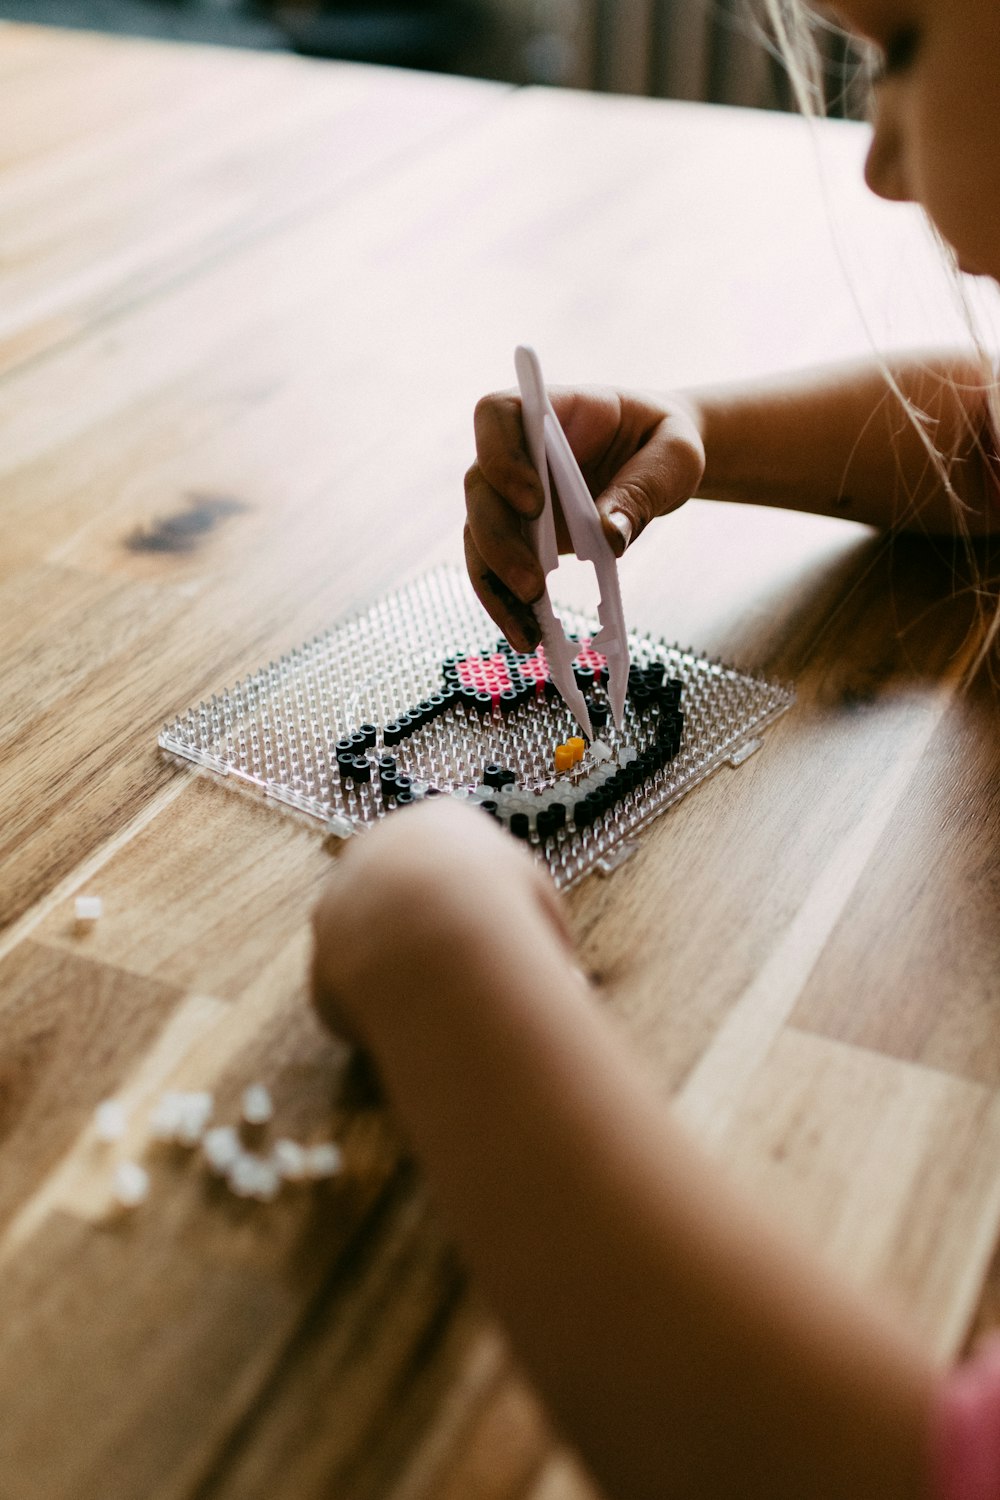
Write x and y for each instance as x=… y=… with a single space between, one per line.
x=564 y=758
x=578 y=746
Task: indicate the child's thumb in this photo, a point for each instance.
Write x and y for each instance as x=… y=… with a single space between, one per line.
x=624 y=511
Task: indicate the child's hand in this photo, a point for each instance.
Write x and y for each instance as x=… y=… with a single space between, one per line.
x=424 y=894
x=640 y=458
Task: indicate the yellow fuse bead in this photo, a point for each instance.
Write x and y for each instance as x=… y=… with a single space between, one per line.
x=564 y=758
x=578 y=747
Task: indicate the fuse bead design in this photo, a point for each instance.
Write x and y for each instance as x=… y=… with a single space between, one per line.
x=414 y=697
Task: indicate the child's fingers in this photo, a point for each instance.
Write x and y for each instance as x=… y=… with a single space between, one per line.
x=501 y=454
x=665 y=473
x=498 y=538
x=516 y=620
x=444 y=852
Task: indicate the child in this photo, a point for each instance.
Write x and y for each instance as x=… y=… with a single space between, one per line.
x=684 y=1348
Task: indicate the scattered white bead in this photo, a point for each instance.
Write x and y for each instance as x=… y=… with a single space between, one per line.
x=221 y=1148
x=268 y=1183
x=257 y=1106
x=323 y=1161
x=290 y=1159
x=131 y=1184
x=252 y=1177
x=88 y=908
x=600 y=751
x=196 y=1111
x=242 y=1176
x=181 y=1117
x=165 y=1121
x=110 y=1120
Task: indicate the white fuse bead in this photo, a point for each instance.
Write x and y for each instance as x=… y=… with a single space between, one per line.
x=251 y=1177
x=88 y=908
x=221 y=1148
x=257 y=1106
x=268 y=1183
x=290 y=1159
x=242 y=1175
x=131 y=1184
x=165 y=1121
x=195 y=1113
x=323 y=1161
x=600 y=751
x=110 y=1120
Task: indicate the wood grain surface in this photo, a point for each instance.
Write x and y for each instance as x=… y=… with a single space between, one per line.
x=246 y=306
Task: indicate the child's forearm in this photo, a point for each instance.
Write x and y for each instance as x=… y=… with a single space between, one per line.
x=837 y=441
x=684 y=1350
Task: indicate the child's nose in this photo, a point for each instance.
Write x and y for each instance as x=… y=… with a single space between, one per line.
x=885 y=168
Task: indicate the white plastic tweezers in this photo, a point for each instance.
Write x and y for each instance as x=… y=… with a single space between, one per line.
x=553 y=457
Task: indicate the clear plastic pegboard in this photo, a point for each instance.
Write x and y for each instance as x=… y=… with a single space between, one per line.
x=416 y=697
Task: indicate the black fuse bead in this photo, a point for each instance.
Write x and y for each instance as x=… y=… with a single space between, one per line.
x=344 y=746
x=585 y=677
x=483 y=704
x=468 y=696
x=389 y=785
x=493 y=775
x=406 y=724
x=487 y=807
x=361 y=769
x=557 y=814
x=403 y=784
x=611 y=791
x=520 y=826
x=437 y=704
x=345 y=765
x=391 y=733
x=357 y=742
x=508 y=701
x=583 y=813
x=599 y=713
x=387 y=763
x=404 y=799
x=370 y=733
x=545 y=824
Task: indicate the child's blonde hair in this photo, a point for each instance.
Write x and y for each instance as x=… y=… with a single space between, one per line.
x=803 y=40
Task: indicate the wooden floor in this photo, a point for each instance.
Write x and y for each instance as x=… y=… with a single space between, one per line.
x=246 y=305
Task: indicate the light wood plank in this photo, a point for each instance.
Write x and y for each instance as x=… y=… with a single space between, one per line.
x=129 y=164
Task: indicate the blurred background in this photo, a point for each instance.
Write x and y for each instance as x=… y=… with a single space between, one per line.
x=683 y=49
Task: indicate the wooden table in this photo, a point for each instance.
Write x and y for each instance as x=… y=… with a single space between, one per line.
x=246 y=304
